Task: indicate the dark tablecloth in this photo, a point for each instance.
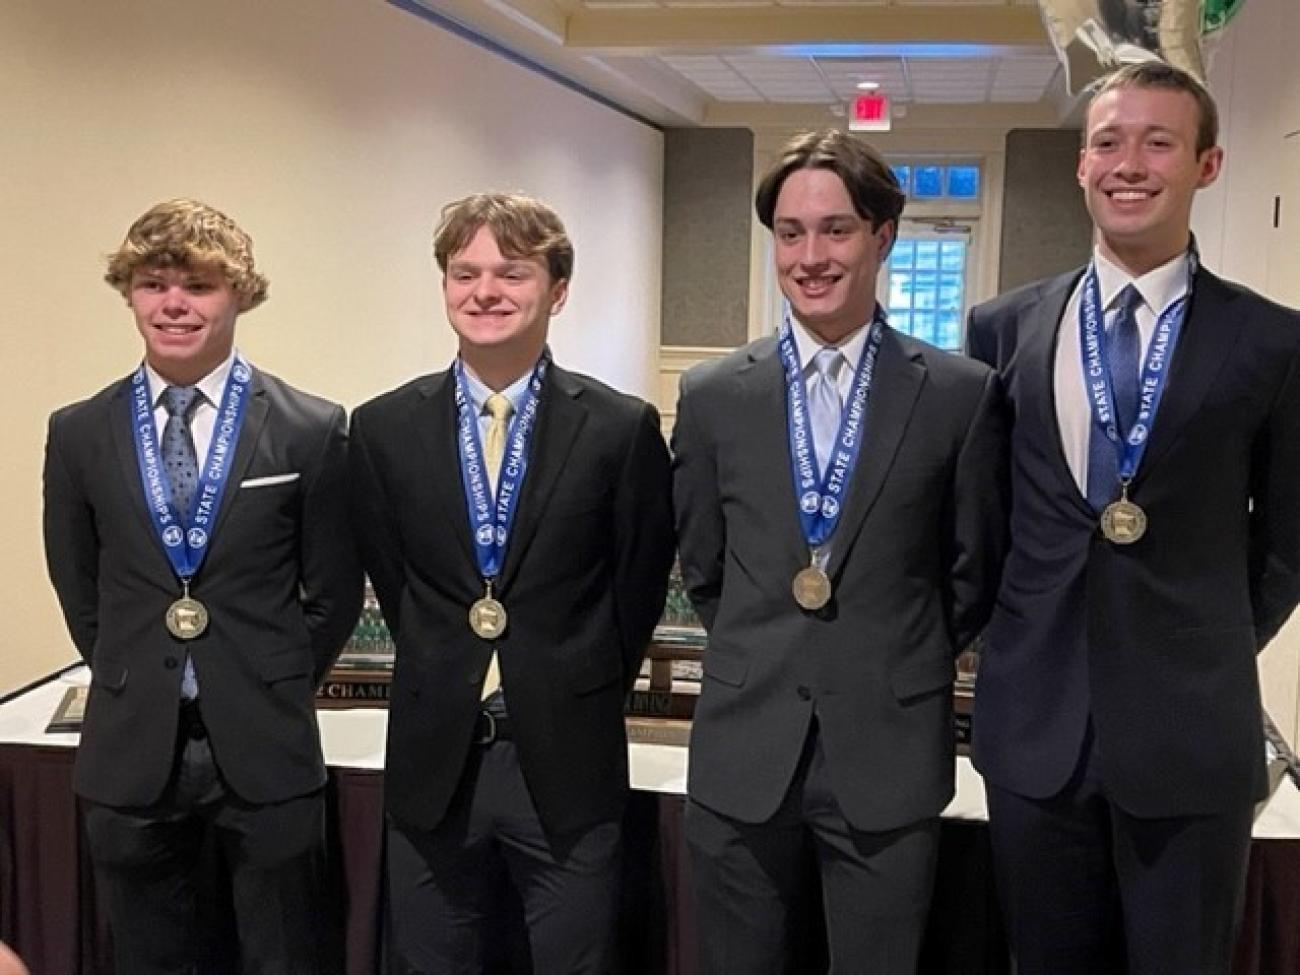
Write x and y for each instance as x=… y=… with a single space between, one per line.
x=49 y=912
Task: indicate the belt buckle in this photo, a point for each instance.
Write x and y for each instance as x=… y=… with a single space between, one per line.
x=491 y=735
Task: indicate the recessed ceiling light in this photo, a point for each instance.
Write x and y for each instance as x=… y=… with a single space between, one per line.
x=868 y=85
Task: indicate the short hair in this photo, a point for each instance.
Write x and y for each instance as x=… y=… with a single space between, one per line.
x=1166 y=77
x=187 y=233
x=523 y=227
x=871 y=183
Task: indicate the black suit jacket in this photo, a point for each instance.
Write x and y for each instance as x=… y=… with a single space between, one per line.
x=1155 y=640
x=281 y=581
x=583 y=582
x=914 y=563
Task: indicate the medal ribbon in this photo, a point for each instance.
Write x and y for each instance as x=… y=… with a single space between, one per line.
x=185 y=535
x=1130 y=444
x=490 y=518
x=820 y=497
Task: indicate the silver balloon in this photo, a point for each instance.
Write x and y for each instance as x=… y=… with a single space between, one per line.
x=1094 y=37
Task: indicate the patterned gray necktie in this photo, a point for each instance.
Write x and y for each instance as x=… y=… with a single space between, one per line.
x=178 y=447
x=182 y=466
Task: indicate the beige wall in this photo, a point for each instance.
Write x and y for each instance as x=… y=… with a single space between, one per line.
x=332 y=130
x=1255 y=78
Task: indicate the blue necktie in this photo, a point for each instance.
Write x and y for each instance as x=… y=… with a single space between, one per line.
x=824 y=406
x=1124 y=350
x=182 y=476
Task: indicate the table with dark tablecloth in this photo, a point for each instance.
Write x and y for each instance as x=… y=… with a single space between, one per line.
x=50 y=914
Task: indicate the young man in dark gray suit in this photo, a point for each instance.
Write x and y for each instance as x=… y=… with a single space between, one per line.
x=196 y=533
x=1156 y=477
x=515 y=519
x=841 y=497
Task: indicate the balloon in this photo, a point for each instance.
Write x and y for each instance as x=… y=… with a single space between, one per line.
x=1094 y=37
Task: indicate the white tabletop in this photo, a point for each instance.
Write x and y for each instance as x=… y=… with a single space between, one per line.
x=355 y=738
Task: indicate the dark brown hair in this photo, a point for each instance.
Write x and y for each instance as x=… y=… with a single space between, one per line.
x=872 y=186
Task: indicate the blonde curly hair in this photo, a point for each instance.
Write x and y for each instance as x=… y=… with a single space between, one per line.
x=187 y=233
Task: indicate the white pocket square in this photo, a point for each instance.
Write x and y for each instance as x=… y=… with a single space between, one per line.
x=256 y=482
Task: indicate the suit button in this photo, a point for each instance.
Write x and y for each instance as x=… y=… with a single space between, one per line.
x=474 y=677
x=169 y=663
x=804 y=693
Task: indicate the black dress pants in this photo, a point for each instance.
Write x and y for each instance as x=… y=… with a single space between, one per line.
x=148 y=861
x=447 y=886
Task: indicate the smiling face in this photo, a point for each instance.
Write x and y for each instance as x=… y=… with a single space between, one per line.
x=500 y=307
x=186 y=315
x=1139 y=169
x=827 y=256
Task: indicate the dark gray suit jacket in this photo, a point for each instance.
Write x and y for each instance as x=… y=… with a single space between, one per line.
x=1153 y=642
x=915 y=565
x=281 y=581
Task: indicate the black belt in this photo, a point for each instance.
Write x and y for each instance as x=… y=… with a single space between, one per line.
x=191 y=723
x=489 y=727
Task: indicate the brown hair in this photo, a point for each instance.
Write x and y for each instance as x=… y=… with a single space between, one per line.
x=523 y=227
x=872 y=185
x=1166 y=77
x=187 y=233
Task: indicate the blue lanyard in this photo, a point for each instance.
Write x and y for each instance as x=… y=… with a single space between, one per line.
x=185 y=535
x=490 y=519
x=1132 y=443
x=820 y=497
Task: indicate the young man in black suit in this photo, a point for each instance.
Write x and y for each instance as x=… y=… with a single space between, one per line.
x=516 y=523
x=1156 y=527
x=841 y=502
x=196 y=533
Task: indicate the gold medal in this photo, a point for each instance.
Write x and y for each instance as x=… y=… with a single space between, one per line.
x=487 y=617
x=1122 y=521
x=187 y=618
x=812 y=588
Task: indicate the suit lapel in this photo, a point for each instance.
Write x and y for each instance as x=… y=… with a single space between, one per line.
x=761 y=407
x=560 y=417
x=255 y=415
x=433 y=427
x=123 y=435
x=894 y=390
x=1209 y=334
x=1042 y=333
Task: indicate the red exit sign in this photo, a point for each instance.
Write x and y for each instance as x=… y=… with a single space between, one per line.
x=869 y=113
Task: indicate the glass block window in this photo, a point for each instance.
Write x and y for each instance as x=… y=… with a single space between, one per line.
x=964 y=182
x=935 y=181
x=928 y=181
x=927 y=288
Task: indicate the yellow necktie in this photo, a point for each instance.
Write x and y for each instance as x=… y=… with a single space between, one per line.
x=494 y=449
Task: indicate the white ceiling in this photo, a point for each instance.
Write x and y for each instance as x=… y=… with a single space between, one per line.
x=821 y=80
x=701 y=62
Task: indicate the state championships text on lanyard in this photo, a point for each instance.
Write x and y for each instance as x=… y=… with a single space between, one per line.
x=186 y=535
x=820 y=497
x=1123 y=522
x=490 y=519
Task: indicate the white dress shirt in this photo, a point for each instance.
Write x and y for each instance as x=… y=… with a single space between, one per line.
x=203 y=416
x=1159 y=288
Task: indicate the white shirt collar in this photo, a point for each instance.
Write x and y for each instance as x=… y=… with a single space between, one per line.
x=808 y=345
x=479 y=391
x=212 y=386
x=1159 y=287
